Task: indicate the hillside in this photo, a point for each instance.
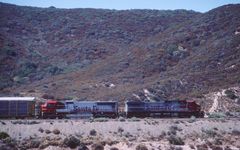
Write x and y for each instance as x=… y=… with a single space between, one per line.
x=98 y=54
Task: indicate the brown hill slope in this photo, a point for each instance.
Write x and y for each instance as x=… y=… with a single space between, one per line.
x=109 y=54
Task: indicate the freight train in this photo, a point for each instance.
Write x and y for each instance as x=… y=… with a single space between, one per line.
x=27 y=107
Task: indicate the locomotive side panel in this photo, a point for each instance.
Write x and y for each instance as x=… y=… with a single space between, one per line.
x=106 y=109
x=76 y=109
x=79 y=109
x=135 y=109
x=195 y=109
x=162 y=109
x=83 y=107
x=166 y=106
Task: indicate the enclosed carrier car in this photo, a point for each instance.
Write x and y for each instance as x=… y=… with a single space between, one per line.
x=17 y=107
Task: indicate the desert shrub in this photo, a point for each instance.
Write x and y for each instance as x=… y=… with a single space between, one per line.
x=236 y=132
x=192 y=119
x=32 y=122
x=238 y=101
x=97 y=146
x=43 y=145
x=134 y=119
x=93 y=132
x=41 y=130
x=9 y=143
x=47 y=96
x=238 y=109
x=132 y=138
x=122 y=119
x=120 y=129
x=47 y=131
x=5 y=81
x=229 y=114
x=209 y=132
x=215 y=147
x=218 y=141
x=202 y=147
x=217 y=115
x=35 y=53
x=56 y=131
x=176 y=122
x=178 y=148
x=3 y=123
x=196 y=42
x=17 y=122
x=127 y=135
x=173 y=129
x=54 y=70
x=171 y=48
x=47 y=141
x=8 y=50
x=228 y=148
x=191 y=146
x=101 y=120
x=82 y=147
x=31 y=91
x=20 y=80
x=141 y=147
x=71 y=141
x=172 y=132
x=175 y=140
x=230 y=94
x=17 y=79
x=34 y=144
x=163 y=134
x=3 y=135
x=26 y=68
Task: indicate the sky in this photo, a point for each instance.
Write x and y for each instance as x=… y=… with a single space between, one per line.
x=196 y=5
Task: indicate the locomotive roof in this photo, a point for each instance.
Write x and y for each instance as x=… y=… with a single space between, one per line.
x=163 y=101
x=91 y=101
x=17 y=98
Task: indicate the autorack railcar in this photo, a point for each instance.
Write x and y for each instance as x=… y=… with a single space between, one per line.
x=17 y=107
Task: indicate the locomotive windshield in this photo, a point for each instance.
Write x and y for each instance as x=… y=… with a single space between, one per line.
x=49 y=105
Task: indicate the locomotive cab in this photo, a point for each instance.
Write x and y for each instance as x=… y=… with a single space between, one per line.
x=195 y=109
x=48 y=109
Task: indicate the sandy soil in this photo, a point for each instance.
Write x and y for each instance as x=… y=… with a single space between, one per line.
x=127 y=134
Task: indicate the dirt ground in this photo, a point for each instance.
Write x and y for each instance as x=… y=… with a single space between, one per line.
x=127 y=134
